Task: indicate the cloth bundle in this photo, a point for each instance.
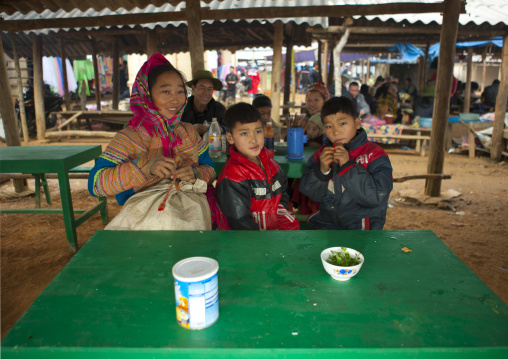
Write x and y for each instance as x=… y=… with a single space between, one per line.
x=186 y=209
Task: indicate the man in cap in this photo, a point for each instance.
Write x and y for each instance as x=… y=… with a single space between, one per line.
x=201 y=106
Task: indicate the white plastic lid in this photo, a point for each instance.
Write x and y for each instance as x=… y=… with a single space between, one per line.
x=269 y=123
x=195 y=269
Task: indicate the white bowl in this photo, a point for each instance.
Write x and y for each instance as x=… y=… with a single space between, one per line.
x=338 y=272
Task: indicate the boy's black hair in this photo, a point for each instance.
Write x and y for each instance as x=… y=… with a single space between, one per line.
x=354 y=83
x=261 y=101
x=241 y=112
x=156 y=71
x=339 y=104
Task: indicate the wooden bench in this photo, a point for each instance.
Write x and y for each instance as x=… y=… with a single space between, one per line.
x=41 y=180
x=421 y=140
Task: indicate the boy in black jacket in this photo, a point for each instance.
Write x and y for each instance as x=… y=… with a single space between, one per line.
x=350 y=176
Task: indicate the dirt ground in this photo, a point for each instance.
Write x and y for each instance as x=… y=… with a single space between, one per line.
x=473 y=225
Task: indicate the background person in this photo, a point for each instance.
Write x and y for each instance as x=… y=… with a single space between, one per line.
x=359 y=100
x=264 y=105
x=231 y=81
x=201 y=105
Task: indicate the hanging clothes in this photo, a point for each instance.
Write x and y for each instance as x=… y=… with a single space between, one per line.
x=52 y=75
x=83 y=71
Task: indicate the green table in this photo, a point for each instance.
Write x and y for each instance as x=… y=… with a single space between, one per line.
x=292 y=168
x=115 y=299
x=39 y=160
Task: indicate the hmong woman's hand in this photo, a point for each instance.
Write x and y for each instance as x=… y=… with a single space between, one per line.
x=164 y=167
x=186 y=174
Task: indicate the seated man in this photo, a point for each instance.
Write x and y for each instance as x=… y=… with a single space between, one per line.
x=201 y=106
x=362 y=105
x=489 y=95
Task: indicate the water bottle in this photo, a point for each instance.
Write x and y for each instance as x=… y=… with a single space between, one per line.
x=269 y=137
x=214 y=139
x=223 y=143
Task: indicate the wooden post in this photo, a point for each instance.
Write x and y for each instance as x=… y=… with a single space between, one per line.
x=324 y=67
x=293 y=76
x=116 y=74
x=497 y=132
x=97 y=77
x=151 y=42
x=336 y=61
x=7 y=112
x=276 y=70
x=442 y=99
x=287 y=74
x=21 y=98
x=67 y=97
x=484 y=73
x=40 y=113
x=195 y=35
x=331 y=76
x=368 y=70
x=320 y=59
x=467 y=90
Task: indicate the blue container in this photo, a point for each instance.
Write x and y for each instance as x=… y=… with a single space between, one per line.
x=426 y=122
x=296 y=139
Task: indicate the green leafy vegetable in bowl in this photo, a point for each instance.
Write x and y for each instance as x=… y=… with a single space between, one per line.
x=343 y=259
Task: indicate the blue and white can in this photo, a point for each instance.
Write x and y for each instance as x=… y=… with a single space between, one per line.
x=196 y=292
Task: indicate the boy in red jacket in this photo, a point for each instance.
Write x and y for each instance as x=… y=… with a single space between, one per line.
x=251 y=189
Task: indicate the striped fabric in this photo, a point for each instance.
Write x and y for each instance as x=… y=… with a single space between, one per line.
x=134 y=152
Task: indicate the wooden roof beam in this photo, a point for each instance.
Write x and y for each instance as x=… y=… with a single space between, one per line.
x=236 y=14
x=420 y=30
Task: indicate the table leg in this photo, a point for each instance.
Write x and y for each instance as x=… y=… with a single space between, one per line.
x=68 y=211
x=418 y=142
x=46 y=188
x=471 y=140
x=104 y=212
x=37 y=190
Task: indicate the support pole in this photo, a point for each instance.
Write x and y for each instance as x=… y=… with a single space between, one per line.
x=287 y=73
x=40 y=112
x=441 y=110
x=467 y=91
x=21 y=98
x=151 y=43
x=276 y=70
x=195 y=35
x=116 y=74
x=97 y=77
x=7 y=112
x=336 y=61
x=324 y=67
x=67 y=97
x=499 y=116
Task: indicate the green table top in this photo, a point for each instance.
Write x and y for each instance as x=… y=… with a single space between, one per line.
x=292 y=168
x=115 y=299
x=45 y=159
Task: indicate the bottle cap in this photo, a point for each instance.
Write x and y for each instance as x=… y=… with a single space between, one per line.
x=269 y=123
x=214 y=119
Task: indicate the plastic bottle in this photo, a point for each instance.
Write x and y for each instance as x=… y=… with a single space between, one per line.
x=223 y=143
x=269 y=136
x=214 y=139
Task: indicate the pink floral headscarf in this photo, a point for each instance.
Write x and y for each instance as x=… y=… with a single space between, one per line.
x=319 y=87
x=146 y=114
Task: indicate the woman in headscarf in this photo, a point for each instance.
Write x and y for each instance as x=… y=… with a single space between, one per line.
x=155 y=144
x=316 y=96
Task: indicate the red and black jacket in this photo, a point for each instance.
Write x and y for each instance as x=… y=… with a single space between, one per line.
x=252 y=197
x=352 y=196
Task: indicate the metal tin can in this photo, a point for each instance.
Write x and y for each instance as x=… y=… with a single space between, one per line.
x=196 y=292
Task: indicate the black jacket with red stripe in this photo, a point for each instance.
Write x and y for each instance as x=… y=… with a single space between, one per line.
x=252 y=197
x=352 y=196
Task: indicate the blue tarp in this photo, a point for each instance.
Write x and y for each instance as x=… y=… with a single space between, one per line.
x=409 y=53
x=497 y=41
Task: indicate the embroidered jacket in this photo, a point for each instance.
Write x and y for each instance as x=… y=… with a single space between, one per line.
x=252 y=197
x=352 y=196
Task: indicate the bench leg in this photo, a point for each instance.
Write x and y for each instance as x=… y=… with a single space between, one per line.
x=37 y=190
x=68 y=210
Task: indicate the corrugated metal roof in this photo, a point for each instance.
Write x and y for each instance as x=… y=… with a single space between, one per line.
x=492 y=12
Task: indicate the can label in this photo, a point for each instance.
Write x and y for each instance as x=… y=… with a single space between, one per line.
x=214 y=144
x=197 y=303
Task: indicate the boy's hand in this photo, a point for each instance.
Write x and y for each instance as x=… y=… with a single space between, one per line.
x=186 y=174
x=341 y=155
x=326 y=159
x=164 y=167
